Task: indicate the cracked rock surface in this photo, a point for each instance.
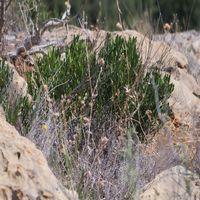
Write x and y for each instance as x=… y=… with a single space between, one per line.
x=24 y=173
x=174 y=183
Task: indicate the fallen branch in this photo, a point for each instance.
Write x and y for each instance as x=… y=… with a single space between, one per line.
x=36 y=49
x=52 y=23
x=35 y=40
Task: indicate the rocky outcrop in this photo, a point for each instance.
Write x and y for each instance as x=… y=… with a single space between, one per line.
x=156 y=52
x=188 y=43
x=175 y=183
x=152 y=52
x=24 y=173
x=185 y=99
x=178 y=140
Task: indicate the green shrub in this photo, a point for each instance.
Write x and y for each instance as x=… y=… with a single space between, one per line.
x=61 y=76
x=114 y=82
x=17 y=112
x=148 y=114
x=5 y=79
x=6 y=76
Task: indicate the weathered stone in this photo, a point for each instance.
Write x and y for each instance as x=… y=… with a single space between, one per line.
x=196 y=46
x=24 y=173
x=175 y=183
x=151 y=52
x=155 y=52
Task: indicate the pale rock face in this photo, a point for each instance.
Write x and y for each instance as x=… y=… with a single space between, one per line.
x=196 y=46
x=153 y=52
x=196 y=49
x=174 y=183
x=24 y=173
x=28 y=174
x=185 y=99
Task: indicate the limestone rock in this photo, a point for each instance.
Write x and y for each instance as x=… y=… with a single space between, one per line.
x=156 y=52
x=185 y=99
x=152 y=52
x=175 y=183
x=196 y=46
x=24 y=173
x=188 y=43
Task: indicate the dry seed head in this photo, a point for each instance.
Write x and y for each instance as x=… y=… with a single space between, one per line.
x=94 y=96
x=55 y=114
x=85 y=96
x=119 y=26
x=75 y=136
x=127 y=90
x=101 y=62
x=149 y=114
x=117 y=93
x=63 y=56
x=67 y=5
x=68 y=101
x=90 y=104
x=88 y=174
x=70 y=142
x=46 y=88
x=104 y=140
x=167 y=27
x=98 y=160
x=82 y=102
x=49 y=99
x=86 y=120
x=30 y=99
x=101 y=183
x=67 y=10
x=79 y=98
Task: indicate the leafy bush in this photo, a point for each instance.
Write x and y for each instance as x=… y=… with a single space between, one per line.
x=113 y=82
x=18 y=111
x=61 y=76
x=5 y=79
x=84 y=102
x=130 y=86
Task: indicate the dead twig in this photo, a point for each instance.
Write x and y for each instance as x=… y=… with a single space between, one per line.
x=8 y=4
x=51 y=23
x=119 y=13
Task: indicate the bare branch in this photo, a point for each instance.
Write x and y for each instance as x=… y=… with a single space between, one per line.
x=1 y=21
x=8 y=4
x=52 y=23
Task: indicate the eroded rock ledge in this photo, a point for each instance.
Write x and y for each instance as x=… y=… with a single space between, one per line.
x=24 y=173
x=174 y=183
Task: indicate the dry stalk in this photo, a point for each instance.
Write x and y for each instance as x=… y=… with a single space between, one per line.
x=119 y=14
x=4 y=5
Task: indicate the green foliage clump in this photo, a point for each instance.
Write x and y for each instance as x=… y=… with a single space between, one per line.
x=149 y=111
x=129 y=88
x=61 y=75
x=114 y=81
x=15 y=112
x=6 y=76
x=5 y=79
x=16 y=109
